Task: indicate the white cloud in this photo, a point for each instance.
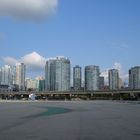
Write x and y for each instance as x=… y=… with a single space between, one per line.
x=10 y=60
x=117 y=66
x=28 y=9
x=33 y=61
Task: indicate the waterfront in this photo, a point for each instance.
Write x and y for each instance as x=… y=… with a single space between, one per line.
x=71 y=120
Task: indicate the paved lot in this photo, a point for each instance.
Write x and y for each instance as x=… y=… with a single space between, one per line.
x=69 y=120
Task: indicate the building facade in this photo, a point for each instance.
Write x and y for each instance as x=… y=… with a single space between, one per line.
x=41 y=85
x=50 y=75
x=57 y=74
x=92 y=77
x=134 y=78
x=77 y=77
x=0 y=76
x=6 y=75
x=31 y=84
x=37 y=84
x=113 y=78
x=20 y=75
x=101 y=82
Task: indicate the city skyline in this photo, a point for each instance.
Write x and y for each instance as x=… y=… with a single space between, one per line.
x=80 y=74
x=104 y=33
x=59 y=77
x=103 y=73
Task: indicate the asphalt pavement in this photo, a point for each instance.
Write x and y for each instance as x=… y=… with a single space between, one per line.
x=69 y=120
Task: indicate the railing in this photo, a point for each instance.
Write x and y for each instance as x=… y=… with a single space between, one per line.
x=6 y=91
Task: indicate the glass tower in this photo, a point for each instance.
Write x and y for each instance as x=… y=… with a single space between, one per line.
x=113 y=79
x=134 y=78
x=101 y=82
x=57 y=74
x=20 y=75
x=92 y=77
x=77 y=77
x=6 y=75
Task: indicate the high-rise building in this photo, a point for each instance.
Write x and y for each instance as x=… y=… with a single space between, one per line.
x=62 y=74
x=134 y=78
x=20 y=75
x=41 y=85
x=0 y=76
x=113 y=78
x=14 y=75
x=31 y=84
x=101 y=82
x=57 y=74
x=50 y=74
x=37 y=84
x=6 y=75
x=92 y=77
x=77 y=77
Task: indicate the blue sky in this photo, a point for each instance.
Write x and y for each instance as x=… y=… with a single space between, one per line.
x=98 y=32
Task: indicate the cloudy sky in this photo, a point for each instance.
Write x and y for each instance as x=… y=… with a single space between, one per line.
x=98 y=32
